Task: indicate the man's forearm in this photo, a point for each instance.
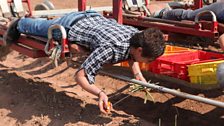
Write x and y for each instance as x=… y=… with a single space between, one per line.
x=136 y=71
x=83 y=82
x=221 y=41
x=135 y=68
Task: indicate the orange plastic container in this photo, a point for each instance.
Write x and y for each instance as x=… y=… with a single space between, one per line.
x=143 y=66
x=175 y=49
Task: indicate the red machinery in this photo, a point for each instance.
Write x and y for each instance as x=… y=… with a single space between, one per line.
x=175 y=30
x=34 y=46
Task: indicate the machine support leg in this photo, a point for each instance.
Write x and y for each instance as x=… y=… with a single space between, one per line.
x=81 y=5
x=117 y=11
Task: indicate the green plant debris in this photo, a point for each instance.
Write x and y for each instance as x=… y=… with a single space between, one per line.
x=136 y=87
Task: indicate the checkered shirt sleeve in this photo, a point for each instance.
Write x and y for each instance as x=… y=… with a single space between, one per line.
x=96 y=59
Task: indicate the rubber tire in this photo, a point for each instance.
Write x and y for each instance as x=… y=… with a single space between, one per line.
x=41 y=6
x=49 y=4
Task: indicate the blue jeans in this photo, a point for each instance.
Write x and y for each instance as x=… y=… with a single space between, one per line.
x=39 y=27
x=181 y=14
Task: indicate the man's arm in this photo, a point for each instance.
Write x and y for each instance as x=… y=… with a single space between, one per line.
x=91 y=88
x=221 y=41
x=85 y=77
x=136 y=70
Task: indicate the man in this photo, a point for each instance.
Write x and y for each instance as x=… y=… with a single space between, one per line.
x=182 y=14
x=108 y=42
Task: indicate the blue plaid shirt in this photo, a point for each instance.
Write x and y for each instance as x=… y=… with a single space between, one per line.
x=107 y=40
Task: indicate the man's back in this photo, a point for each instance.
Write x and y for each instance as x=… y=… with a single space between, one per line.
x=93 y=32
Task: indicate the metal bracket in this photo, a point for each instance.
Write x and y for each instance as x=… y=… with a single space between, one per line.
x=214 y=27
x=214 y=19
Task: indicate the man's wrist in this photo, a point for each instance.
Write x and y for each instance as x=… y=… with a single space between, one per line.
x=137 y=74
x=100 y=92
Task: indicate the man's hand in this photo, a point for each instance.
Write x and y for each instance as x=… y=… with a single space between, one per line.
x=136 y=71
x=103 y=99
x=140 y=77
x=103 y=103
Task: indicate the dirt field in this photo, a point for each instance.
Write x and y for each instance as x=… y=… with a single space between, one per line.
x=34 y=93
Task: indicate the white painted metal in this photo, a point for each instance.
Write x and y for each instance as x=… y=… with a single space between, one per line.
x=5 y=8
x=129 y=3
x=19 y=8
x=139 y=3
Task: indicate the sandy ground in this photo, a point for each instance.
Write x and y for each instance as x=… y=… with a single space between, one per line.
x=35 y=93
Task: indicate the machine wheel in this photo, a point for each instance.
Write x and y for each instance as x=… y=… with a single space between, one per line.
x=46 y=5
x=49 y=4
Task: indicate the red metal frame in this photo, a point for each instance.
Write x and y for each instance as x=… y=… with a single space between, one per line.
x=198 y=4
x=138 y=21
x=36 y=48
x=81 y=5
x=117 y=11
x=174 y=29
x=32 y=47
x=27 y=46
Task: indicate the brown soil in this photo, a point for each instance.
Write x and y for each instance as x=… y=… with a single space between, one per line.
x=35 y=93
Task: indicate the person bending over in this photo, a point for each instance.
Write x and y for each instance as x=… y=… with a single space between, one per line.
x=108 y=42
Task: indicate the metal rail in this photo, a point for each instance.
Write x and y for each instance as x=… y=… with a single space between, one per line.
x=151 y=19
x=167 y=90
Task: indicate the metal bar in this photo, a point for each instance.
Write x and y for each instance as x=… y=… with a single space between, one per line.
x=167 y=90
x=159 y=20
x=33 y=53
x=31 y=43
x=198 y=4
x=19 y=7
x=171 y=28
x=29 y=52
x=146 y=3
x=29 y=8
x=81 y=5
x=5 y=8
x=117 y=11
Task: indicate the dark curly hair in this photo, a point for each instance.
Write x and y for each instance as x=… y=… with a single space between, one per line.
x=152 y=42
